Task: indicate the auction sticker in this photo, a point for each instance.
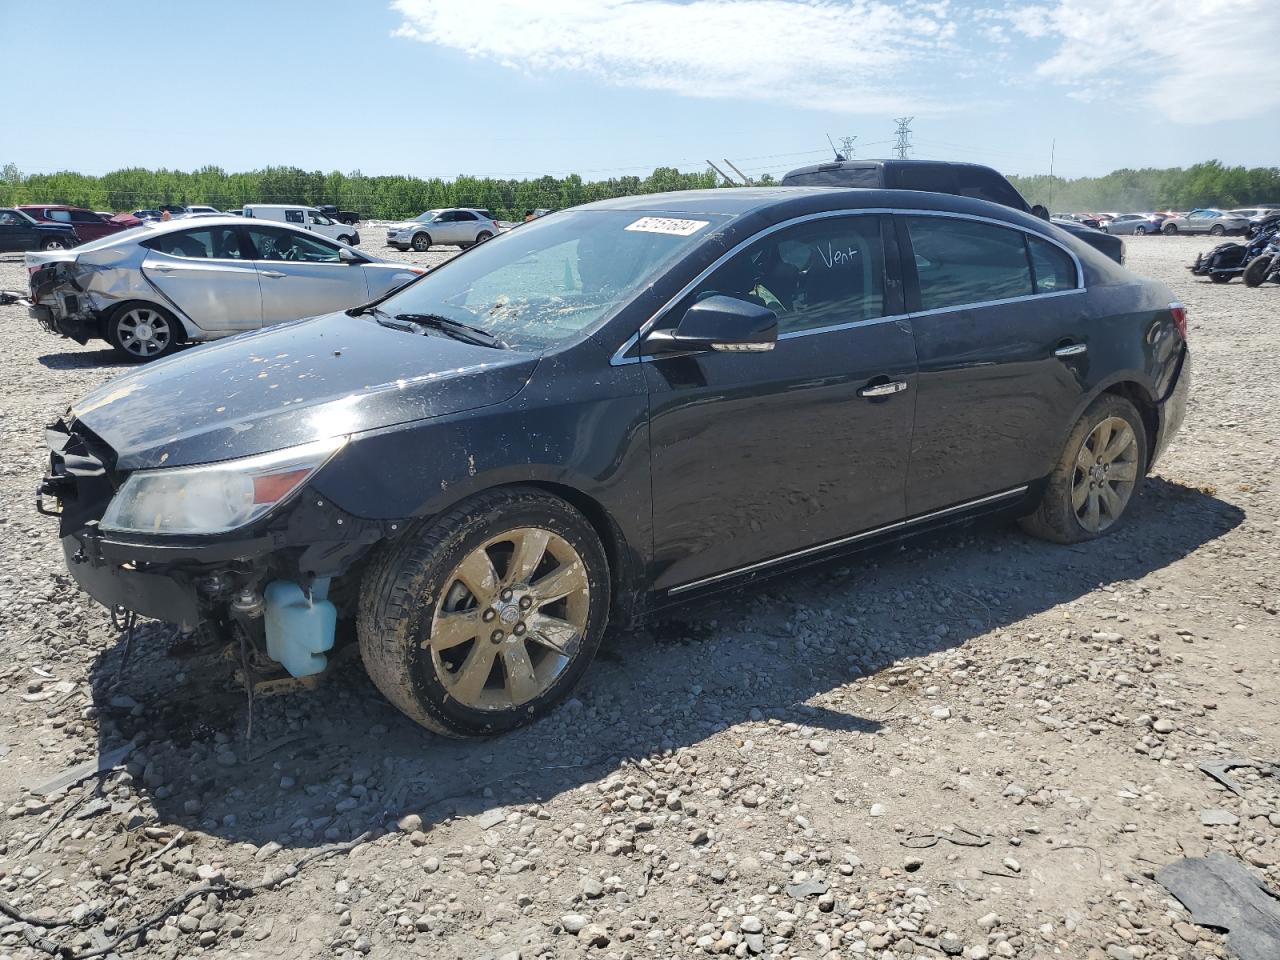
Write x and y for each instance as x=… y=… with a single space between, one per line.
x=669 y=226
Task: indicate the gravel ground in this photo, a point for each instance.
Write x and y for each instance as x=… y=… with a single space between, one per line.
x=979 y=745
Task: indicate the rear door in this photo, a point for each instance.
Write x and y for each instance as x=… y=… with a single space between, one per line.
x=758 y=456
x=1002 y=338
x=303 y=275
x=204 y=272
x=89 y=226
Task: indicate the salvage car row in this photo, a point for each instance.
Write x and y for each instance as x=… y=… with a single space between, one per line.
x=1211 y=221
x=604 y=412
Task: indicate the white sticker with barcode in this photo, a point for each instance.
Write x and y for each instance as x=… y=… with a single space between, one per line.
x=668 y=225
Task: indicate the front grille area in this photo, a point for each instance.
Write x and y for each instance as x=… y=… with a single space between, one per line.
x=81 y=474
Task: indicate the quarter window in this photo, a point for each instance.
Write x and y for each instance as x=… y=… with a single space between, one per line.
x=1054 y=269
x=294 y=216
x=965 y=261
x=812 y=275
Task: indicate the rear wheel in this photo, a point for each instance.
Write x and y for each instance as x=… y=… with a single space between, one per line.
x=1256 y=272
x=1217 y=230
x=1102 y=466
x=482 y=236
x=142 y=331
x=1139 y=231
x=483 y=619
x=421 y=242
x=1169 y=229
x=1220 y=277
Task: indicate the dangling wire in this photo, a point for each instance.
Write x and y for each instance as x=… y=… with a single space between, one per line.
x=128 y=627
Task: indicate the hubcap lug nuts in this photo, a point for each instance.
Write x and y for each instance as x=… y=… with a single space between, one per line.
x=526 y=603
x=519 y=629
x=506 y=594
x=489 y=614
x=496 y=637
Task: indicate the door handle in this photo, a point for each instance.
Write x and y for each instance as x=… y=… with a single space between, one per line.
x=163 y=267
x=274 y=274
x=1070 y=350
x=883 y=389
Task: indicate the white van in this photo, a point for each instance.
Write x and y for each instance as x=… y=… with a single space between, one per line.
x=306 y=218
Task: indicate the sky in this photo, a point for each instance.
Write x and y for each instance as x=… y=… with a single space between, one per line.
x=615 y=87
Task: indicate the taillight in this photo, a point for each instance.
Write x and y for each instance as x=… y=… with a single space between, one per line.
x=1179 y=313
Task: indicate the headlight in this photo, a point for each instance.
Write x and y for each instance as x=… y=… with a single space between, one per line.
x=214 y=497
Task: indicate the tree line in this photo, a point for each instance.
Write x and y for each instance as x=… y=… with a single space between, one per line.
x=396 y=197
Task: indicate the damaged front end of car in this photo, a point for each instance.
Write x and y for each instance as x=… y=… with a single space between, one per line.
x=236 y=553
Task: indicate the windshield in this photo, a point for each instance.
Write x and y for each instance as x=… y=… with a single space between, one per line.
x=554 y=277
x=428 y=216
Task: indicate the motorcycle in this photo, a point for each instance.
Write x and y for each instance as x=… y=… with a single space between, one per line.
x=1228 y=260
x=1265 y=267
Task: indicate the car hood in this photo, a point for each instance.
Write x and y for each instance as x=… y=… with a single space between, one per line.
x=291 y=384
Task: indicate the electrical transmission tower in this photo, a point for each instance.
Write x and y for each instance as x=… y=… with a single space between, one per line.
x=903 y=146
x=846 y=147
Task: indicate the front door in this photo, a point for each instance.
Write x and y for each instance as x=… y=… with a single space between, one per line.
x=303 y=275
x=16 y=231
x=204 y=272
x=759 y=455
x=1002 y=344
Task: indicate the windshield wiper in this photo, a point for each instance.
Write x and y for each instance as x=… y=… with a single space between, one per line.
x=363 y=309
x=452 y=328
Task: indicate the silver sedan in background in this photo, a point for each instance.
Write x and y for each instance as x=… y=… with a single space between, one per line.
x=1213 y=222
x=1134 y=224
x=147 y=289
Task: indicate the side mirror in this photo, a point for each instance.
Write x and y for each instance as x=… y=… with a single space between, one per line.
x=347 y=255
x=719 y=323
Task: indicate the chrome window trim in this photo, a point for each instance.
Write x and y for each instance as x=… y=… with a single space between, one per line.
x=832 y=544
x=619 y=359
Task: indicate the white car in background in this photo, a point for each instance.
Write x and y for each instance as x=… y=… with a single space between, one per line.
x=150 y=288
x=453 y=226
x=1216 y=223
x=304 y=218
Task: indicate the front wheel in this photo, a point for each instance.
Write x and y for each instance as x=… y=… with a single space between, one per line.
x=1139 y=231
x=1169 y=229
x=1256 y=271
x=141 y=331
x=1220 y=277
x=1217 y=230
x=1102 y=466
x=54 y=244
x=482 y=620
x=349 y=241
x=421 y=242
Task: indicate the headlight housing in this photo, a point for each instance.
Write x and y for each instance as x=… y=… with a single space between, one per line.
x=214 y=497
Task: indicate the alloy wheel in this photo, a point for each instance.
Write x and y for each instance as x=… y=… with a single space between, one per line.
x=510 y=620
x=143 y=332
x=1106 y=472
x=55 y=245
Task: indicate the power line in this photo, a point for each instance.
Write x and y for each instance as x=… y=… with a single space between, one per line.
x=903 y=143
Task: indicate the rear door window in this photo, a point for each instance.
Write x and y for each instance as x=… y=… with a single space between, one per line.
x=60 y=216
x=960 y=262
x=209 y=243
x=294 y=216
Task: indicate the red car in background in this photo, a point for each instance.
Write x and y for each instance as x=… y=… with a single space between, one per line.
x=87 y=224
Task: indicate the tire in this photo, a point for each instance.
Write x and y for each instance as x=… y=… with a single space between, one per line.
x=1256 y=271
x=483 y=235
x=1169 y=229
x=421 y=242
x=162 y=329
x=1220 y=277
x=415 y=582
x=1139 y=231
x=1062 y=519
x=349 y=241
x=53 y=243
x=1217 y=230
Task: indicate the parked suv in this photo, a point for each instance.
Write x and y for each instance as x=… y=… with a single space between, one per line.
x=941 y=176
x=457 y=226
x=19 y=232
x=617 y=408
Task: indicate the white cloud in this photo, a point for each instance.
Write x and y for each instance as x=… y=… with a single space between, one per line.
x=847 y=55
x=1192 y=61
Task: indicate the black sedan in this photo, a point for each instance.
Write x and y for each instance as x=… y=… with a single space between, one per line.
x=19 y=232
x=610 y=410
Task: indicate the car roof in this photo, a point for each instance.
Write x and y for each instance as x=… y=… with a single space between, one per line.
x=50 y=206
x=780 y=202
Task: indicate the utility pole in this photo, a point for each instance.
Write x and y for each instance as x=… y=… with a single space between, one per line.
x=903 y=146
x=745 y=178
x=1053 y=146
